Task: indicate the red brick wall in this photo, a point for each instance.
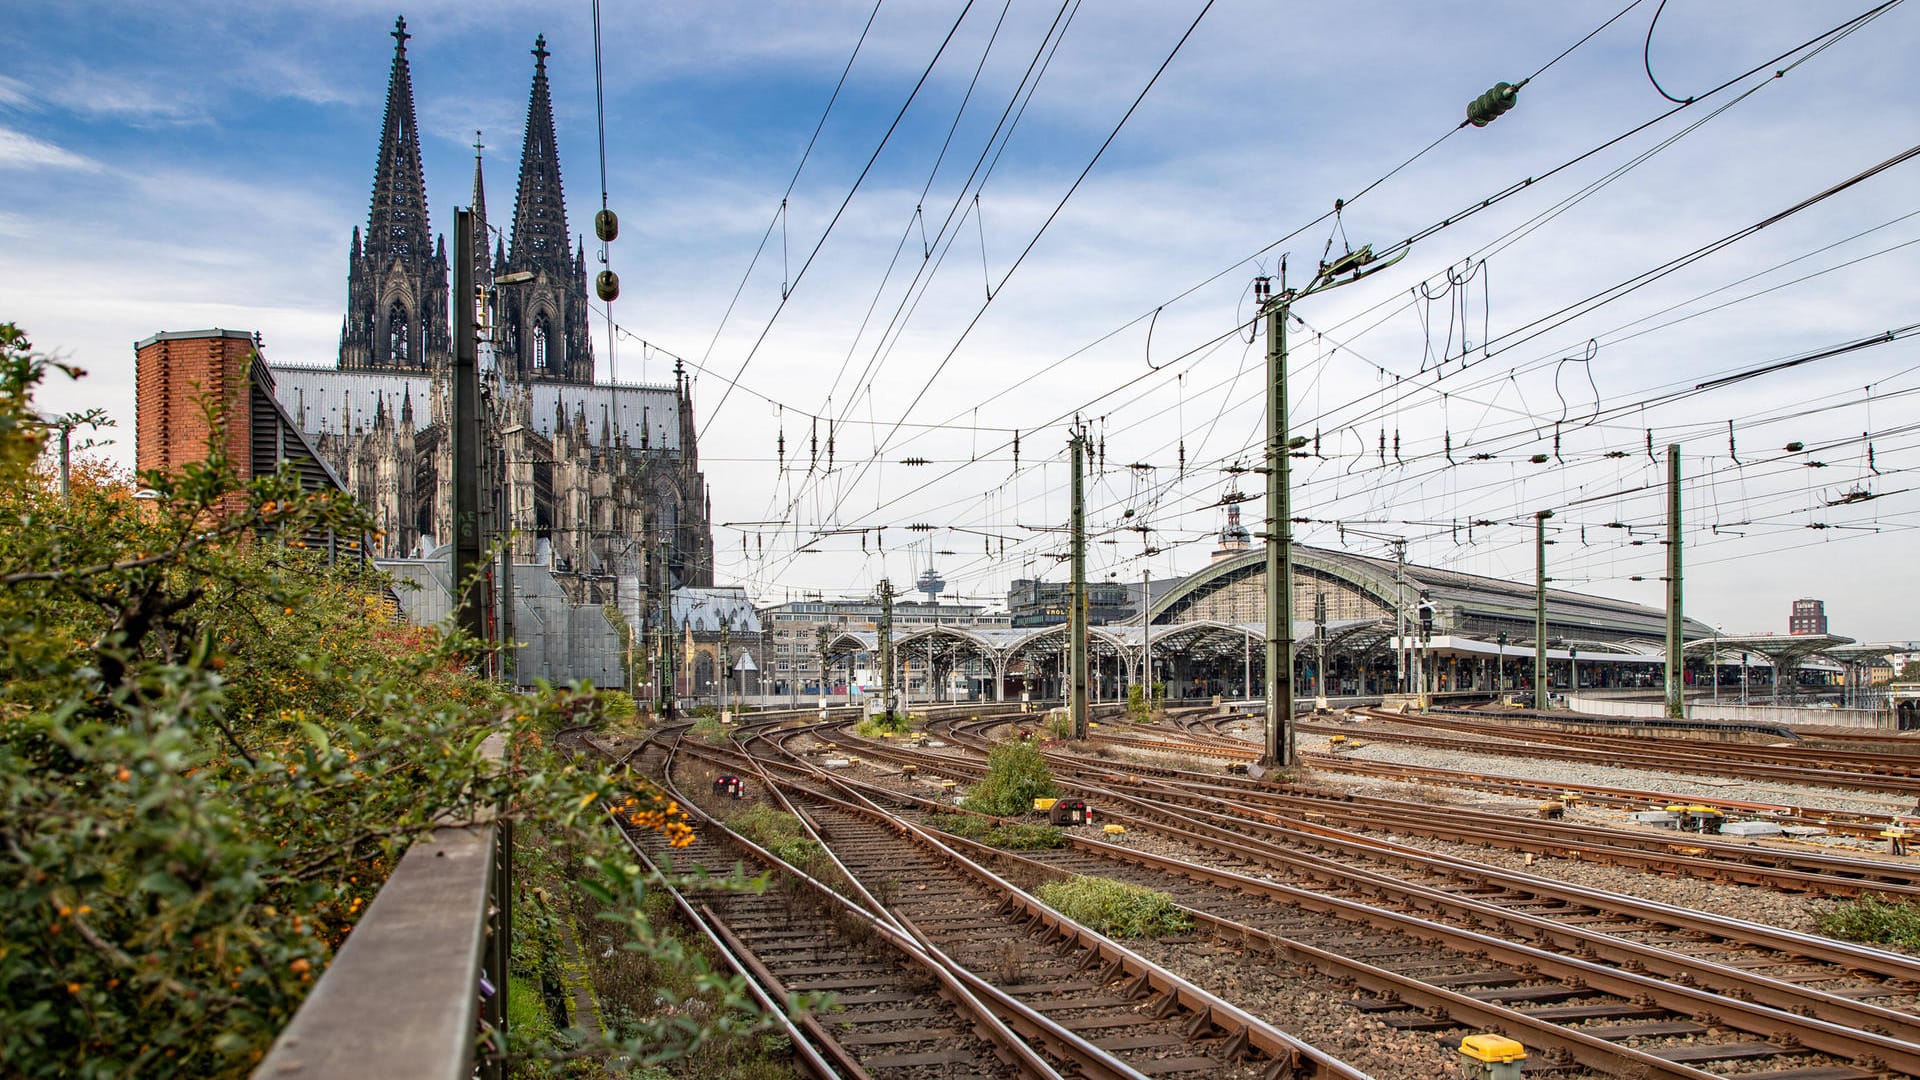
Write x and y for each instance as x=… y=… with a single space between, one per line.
x=175 y=376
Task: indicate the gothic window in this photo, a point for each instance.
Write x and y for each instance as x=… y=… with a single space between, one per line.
x=513 y=335
x=397 y=334
x=540 y=342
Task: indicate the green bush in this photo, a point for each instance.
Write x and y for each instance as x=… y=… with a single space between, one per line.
x=1016 y=775
x=1020 y=836
x=875 y=726
x=1873 y=920
x=1115 y=908
x=618 y=705
x=215 y=744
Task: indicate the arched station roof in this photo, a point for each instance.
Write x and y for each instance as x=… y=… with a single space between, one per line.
x=1462 y=601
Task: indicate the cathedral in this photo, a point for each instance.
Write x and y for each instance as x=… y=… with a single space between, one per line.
x=598 y=482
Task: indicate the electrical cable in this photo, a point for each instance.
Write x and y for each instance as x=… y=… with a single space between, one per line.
x=844 y=203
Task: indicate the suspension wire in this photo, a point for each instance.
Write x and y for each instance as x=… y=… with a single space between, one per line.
x=779 y=215
x=600 y=113
x=925 y=74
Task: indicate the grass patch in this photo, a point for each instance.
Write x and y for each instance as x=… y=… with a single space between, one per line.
x=779 y=833
x=526 y=1016
x=710 y=730
x=1872 y=920
x=1115 y=908
x=1016 y=837
x=1016 y=775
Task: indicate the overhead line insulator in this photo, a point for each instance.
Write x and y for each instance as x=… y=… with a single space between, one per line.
x=1491 y=105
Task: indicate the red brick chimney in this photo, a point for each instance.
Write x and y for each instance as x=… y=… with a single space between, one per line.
x=176 y=374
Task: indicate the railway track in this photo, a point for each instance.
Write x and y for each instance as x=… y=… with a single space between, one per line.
x=1742 y=862
x=1091 y=1008
x=1732 y=760
x=1726 y=962
x=1198 y=741
x=1597 y=983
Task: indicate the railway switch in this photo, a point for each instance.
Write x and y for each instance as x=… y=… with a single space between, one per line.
x=1896 y=838
x=1070 y=812
x=730 y=787
x=1553 y=811
x=1491 y=1057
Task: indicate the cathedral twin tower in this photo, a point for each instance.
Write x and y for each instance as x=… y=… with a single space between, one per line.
x=599 y=483
x=397 y=294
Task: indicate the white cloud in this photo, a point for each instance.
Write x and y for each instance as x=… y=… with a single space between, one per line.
x=92 y=92
x=13 y=93
x=19 y=150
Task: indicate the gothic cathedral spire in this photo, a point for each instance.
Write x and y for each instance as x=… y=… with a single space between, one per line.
x=544 y=317
x=398 y=225
x=397 y=283
x=482 y=259
x=539 y=210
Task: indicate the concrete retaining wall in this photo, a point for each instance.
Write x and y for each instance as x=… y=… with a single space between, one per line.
x=1753 y=714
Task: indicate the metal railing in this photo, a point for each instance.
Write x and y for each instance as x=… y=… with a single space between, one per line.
x=422 y=979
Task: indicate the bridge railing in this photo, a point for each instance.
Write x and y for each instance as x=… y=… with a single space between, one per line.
x=422 y=978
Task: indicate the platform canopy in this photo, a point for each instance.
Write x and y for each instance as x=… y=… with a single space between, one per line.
x=1785 y=651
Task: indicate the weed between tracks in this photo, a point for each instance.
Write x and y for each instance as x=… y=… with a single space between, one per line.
x=1018 y=836
x=778 y=832
x=630 y=988
x=1115 y=908
x=875 y=726
x=1016 y=775
x=1873 y=920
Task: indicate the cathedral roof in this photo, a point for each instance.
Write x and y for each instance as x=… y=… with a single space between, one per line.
x=318 y=397
x=704 y=610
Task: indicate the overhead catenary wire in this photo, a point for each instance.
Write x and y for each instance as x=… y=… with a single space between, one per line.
x=911 y=426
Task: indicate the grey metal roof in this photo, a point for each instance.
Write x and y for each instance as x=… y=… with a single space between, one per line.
x=704 y=611
x=328 y=399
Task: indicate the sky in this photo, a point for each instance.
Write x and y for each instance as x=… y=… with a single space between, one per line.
x=1013 y=214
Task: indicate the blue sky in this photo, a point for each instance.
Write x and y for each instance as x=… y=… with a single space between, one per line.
x=181 y=165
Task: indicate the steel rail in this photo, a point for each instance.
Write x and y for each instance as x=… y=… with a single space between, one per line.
x=1766 y=1022
x=961 y=989
x=1760 y=988
x=1587 y=1049
x=1664 y=761
x=1236 y=1024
